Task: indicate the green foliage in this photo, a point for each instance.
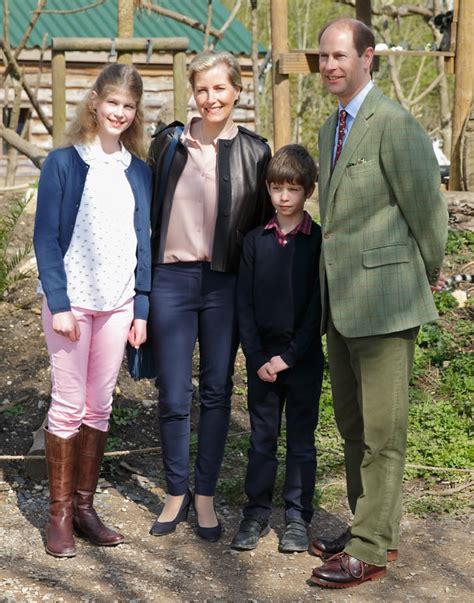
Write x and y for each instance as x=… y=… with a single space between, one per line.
x=457 y=385
x=9 y=260
x=122 y=416
x=15 y=411
x=459 y=241
x=444 y=301
x=438 y=434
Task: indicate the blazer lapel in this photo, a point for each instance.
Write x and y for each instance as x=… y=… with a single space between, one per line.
x=358 y=130
x=328 y=132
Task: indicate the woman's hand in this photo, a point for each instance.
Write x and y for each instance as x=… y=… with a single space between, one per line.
x=137 y=333
x=65 y=324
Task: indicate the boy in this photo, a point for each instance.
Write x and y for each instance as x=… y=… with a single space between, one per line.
x=279 y=317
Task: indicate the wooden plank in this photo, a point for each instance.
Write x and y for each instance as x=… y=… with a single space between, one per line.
x=120 y=44
x=180 y=97
x=464 y=86
x=58 y=65
x=280 y=80
x=307 y=61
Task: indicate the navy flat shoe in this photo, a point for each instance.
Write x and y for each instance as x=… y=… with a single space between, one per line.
x=161 y=528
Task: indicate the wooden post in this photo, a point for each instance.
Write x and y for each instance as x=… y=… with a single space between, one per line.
x=125 y=28
x=180 y=97
x=364 y=11
x=280 y=82
x=464 y=86
x=58 y=75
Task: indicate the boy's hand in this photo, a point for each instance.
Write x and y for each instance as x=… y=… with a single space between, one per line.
x=266 y=373
x=278 y=364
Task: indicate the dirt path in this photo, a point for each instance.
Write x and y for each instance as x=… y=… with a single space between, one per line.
x=435 y=559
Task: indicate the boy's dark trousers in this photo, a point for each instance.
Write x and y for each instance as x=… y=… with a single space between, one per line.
x=297 y=390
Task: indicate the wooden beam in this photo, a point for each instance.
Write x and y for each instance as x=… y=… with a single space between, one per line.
x=126 y=44
x=464 y=86
x=180 y=98
x=307 y=61
x=280 y=81
x=125 y=28
x=364 y=11
x=58 y=76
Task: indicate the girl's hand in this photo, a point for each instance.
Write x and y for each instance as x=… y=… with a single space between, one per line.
x=65 y=323
x=137 y=333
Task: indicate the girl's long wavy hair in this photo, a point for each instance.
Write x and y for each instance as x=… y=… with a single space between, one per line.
x=84 y=127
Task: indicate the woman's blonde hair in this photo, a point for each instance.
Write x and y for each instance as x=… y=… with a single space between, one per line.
x=209 y=59
x=84 y=127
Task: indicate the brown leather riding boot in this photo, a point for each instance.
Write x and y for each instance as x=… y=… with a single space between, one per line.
x=61 y=460
x=86 y=521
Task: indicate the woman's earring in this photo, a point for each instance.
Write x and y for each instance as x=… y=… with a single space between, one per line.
x=94 y=115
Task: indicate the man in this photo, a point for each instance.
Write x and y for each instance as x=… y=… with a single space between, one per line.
x=384 y=225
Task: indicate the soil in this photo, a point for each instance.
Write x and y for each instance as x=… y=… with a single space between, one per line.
x=435 y=553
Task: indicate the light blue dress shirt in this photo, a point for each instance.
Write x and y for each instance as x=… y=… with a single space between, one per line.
x=352 y=108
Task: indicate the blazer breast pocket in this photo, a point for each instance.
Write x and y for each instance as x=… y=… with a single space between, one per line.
x=389 y=254
x=354 y=170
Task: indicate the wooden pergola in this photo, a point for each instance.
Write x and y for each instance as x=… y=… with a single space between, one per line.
x=60 y=46
x=458 y=60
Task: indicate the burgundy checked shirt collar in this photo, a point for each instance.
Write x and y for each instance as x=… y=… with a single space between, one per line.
x=304 y=227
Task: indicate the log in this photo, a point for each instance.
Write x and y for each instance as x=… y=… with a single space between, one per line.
x=120 y=44
x=461 y=210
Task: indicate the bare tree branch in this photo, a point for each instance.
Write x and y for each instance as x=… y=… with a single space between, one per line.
x=434 y=84
x=29 y=29
x=69 y=11
x=405 y=10
x=189 y=21
x=36 y=154
x=230 y=18
x=208 y=24
x=10 y=59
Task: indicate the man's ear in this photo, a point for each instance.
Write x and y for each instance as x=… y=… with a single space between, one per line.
x=369 y=57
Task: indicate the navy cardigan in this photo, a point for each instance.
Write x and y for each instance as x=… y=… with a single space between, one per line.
x=61 y=184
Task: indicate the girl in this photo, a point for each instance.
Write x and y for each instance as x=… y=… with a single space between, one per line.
x=92 y=247
x=213 y=195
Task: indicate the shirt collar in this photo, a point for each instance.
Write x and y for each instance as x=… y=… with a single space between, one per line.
x=304 y=226
x=187 y=137
x=93 y=152
x=355 y=103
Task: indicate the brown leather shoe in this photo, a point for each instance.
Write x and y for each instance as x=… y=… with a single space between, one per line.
x=326 y=547
x=61 y=461
x=85 y=520
x=344 y=571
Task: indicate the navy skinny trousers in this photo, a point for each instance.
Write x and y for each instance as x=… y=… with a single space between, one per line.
x=189 y=302
x=296 y=390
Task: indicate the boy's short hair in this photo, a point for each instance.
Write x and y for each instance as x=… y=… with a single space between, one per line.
x=293 y=163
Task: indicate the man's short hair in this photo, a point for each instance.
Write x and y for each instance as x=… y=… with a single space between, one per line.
x=293 y=163
x=362 y=35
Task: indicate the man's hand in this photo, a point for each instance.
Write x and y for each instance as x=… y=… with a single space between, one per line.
x=440 y=283
x=65 y=324
x=266 y=373
x=137 y=333
x=278 y=364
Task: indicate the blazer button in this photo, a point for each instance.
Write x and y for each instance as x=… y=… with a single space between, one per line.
x=326 y=235
x=225 y=178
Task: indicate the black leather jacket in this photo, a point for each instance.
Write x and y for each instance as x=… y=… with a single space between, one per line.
x=243 y=202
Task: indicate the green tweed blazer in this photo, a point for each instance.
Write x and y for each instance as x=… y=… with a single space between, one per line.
x=384 y=222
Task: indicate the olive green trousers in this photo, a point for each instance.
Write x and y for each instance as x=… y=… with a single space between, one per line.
x=369 y=381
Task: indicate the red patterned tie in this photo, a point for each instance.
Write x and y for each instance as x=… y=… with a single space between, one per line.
x=340 y=134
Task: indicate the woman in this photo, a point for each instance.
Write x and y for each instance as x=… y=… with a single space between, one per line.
x=93 y=253
x=213 y=195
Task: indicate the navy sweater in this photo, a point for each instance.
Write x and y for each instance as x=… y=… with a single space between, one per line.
x=279 y=300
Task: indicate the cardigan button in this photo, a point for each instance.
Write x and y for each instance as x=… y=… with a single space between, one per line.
x=226 y=178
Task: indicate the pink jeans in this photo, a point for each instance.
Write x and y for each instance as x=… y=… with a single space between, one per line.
x=84 y=372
